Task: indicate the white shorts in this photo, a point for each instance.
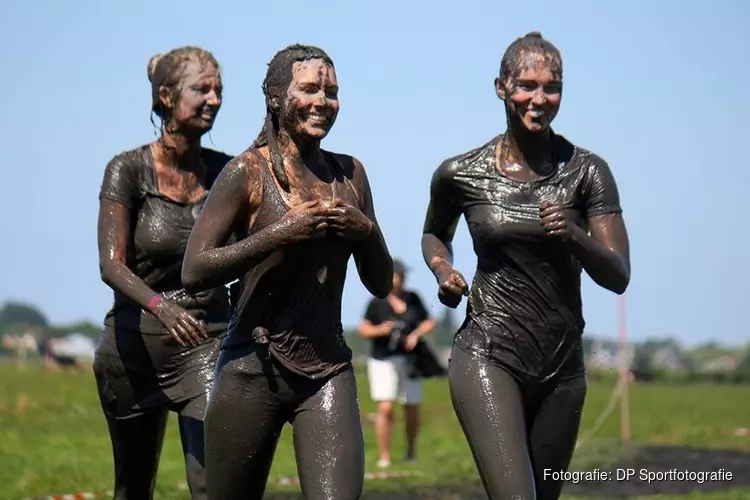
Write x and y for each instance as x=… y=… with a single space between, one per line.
x=389 y=381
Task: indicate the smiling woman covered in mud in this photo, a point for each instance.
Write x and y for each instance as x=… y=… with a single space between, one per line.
x=298 y=214
x=160 y=343
x=530 y=199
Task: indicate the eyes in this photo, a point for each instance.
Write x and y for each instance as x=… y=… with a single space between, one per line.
x=311 y=89
x=549 y=88
x=206 y=88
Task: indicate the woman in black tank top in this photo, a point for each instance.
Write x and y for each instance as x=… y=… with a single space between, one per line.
x=298 y=213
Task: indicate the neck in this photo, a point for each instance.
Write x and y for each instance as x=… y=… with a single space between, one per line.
x=527 y=148
x=299 y=155
x=175 y=148
x=397 y=292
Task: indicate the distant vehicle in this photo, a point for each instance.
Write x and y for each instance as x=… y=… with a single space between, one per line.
x=72 y=349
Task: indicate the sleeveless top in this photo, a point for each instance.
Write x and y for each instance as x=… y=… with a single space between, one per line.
x=295 y=294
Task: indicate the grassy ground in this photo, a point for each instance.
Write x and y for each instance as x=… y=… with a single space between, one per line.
x=53 y=440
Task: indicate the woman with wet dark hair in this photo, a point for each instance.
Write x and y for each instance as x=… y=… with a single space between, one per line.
x=539 y=209
x=298 y=213
x=160 y=343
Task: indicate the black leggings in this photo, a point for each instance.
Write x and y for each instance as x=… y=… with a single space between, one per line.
x=137 y=443
x=251 y=400
x=516 y=431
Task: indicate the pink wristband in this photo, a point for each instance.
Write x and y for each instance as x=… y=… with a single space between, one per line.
x=153 y=302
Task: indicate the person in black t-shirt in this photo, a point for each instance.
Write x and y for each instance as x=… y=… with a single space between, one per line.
x=395 y=324
x=539 y=210
x=158 y=350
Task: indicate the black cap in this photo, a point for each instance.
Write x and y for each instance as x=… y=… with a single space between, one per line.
x=399 y=267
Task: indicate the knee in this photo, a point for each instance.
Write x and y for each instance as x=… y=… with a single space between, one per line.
x=385 y=410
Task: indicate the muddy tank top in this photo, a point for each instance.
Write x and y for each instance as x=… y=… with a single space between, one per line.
x=295 y=293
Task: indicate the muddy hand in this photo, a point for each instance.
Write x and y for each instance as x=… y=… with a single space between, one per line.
x=452 y=287
x=185 y=329
x=348 y=222
x=306 y=221
x=554 y=221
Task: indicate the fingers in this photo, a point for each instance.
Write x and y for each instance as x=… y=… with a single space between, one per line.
x=307 y=204
x=451 y=288
x=555 y=226
x=549 y=210
x=180 y=335
x=198 y=325
x=189 y=331
x=462 y=285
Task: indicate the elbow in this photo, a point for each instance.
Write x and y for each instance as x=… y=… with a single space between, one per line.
x=107 y=271
x=362 y=331
x=621 y=285
x=381 y=290
x=620 y=282
x=191 y=280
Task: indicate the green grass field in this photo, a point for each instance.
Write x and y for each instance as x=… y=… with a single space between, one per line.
x=53 y=439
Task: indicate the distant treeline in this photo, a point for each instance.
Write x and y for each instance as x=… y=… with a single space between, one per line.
x=652 y=360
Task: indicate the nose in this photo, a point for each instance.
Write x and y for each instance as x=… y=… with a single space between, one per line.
x=539 y=97
x=213 y=98
x=322 y=100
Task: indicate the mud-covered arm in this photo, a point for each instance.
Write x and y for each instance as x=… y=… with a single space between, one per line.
x=443 y=215
x=605 y=252
x=371 y=255
x=116 y=203
x=208 y=263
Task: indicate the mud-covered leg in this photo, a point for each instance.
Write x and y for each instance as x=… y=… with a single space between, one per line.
x=243 y=422
x=192 y=436
x=554 y=432
x=328 y=442
x=137 y=444
x=489 y=407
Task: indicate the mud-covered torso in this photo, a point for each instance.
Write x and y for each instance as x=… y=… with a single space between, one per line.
x=525 y=299
x=295 y=294
x=160 y=228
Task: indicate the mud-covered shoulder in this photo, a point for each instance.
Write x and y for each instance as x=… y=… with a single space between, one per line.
x=242 y=170
x=123 y=176
x=598 y=186
x=444 y=184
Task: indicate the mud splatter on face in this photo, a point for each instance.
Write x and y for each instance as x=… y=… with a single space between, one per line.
x=186 y=88
x=530 y=82
x=276 y=85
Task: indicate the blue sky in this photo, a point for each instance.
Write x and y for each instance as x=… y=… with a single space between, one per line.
x=656 y=88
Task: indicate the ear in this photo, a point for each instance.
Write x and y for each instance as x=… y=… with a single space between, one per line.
x=165 y=97
x=500 y=88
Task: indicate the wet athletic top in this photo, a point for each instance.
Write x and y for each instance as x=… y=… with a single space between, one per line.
x=380 y=310
x=160 y=228
x=524 y=309
x=296 y=292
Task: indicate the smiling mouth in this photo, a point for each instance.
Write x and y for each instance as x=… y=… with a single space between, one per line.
x=535 y=113
x=208 y=114
x=317 y=118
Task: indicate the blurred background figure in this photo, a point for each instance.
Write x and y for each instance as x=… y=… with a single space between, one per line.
x=397 y=360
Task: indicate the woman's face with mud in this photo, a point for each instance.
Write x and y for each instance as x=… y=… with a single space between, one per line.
x=197 y=99
x=311 y=103
x=532 y=91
